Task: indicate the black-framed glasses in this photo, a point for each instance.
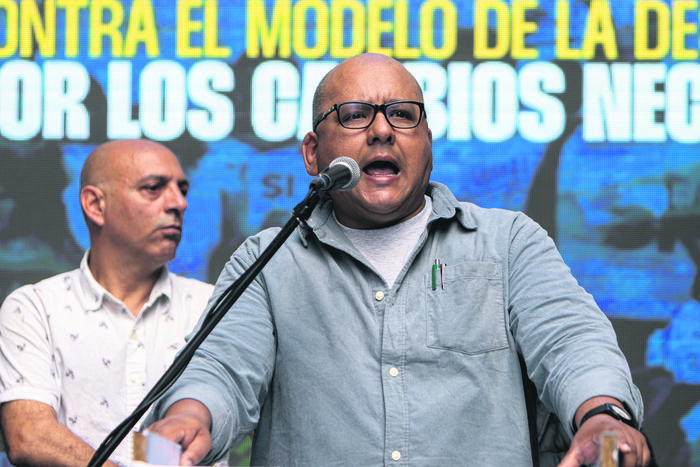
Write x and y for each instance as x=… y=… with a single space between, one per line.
x=357 y=115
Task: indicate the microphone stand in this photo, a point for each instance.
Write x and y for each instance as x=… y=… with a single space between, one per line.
x=300 y=213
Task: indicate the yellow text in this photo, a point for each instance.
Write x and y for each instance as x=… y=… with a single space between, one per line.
x=312 y=29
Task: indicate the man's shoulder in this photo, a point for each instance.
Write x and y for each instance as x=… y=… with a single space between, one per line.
x=60 y=283
x=253 y=245
x=191 y=285
x=471 y=215
x=46 y=294
x=487 y=215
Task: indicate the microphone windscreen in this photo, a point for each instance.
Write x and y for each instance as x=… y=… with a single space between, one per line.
x=354 y=168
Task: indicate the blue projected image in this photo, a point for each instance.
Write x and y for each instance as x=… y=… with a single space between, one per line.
x=600 y=150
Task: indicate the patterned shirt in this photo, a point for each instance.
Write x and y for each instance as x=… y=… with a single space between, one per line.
x=69 y=343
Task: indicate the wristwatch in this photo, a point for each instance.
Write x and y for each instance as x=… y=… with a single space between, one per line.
x=615 y=411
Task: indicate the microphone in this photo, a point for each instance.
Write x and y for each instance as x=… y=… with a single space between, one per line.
x=342 y=174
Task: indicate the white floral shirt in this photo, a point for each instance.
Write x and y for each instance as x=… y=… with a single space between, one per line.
x=69 y=343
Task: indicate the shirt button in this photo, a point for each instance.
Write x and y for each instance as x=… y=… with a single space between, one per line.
x=379 y=295
x=396 y=455
x=393 y=371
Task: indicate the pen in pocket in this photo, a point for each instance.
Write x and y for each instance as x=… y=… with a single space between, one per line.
x=435 y=268
x=441 y=267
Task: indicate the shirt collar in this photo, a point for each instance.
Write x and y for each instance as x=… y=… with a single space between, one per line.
x=93 y=294
x=445 y=206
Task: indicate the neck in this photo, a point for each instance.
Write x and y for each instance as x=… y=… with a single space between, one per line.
x=129 y=282
x=373 y=220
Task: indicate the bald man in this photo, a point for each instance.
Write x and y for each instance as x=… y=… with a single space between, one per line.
x=80 y=350
x=387 y=328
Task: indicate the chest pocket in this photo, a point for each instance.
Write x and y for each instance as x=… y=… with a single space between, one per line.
x=467 y=315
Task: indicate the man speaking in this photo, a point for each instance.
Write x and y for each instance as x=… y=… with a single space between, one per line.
x=387 y=330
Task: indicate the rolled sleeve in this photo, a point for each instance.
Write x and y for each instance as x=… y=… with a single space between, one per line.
x=568 y=343
x=223 y=424
x=27 y=365
x=607 y=383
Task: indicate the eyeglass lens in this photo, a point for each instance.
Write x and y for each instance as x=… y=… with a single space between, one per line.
x=359 y=115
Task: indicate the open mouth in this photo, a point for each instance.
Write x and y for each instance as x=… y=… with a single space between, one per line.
x=381 y=169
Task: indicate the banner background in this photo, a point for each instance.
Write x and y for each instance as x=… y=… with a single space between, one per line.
x=583 y=114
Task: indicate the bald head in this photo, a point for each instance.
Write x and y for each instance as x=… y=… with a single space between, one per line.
x=119 y=164
x=332 y=78
x=109 y=159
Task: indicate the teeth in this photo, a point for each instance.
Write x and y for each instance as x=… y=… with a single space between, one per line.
x=380 y=173
x=381 y=168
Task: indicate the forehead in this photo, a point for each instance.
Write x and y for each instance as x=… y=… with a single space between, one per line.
x=136 y=163
x=372 y=81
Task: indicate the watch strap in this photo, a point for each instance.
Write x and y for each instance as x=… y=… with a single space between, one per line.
x=615 y=411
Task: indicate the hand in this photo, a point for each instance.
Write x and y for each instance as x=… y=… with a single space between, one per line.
x=188 y=423
x=585 y=447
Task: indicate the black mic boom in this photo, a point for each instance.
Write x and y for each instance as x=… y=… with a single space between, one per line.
x=342 y=174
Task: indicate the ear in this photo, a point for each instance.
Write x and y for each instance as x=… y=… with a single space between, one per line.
x=92 y=200
x=309 y=149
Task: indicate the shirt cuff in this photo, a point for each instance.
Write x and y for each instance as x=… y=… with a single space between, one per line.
x=221 y=418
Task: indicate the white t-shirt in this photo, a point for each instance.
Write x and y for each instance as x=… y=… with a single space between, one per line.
x=69 y=343
x=388 y=249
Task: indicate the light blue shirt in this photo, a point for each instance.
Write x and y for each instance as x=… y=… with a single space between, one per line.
x=329 y=366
